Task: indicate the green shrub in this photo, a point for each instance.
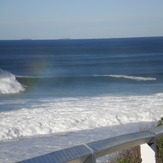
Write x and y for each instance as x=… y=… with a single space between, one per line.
x=130 y=156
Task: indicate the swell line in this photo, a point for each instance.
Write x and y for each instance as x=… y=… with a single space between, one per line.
x=138 y=78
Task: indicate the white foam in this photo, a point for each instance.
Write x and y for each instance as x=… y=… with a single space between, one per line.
x=8 y=83
x=49 y=116
x=138 y=78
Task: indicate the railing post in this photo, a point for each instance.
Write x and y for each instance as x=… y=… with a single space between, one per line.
x=149 y=152
x=153 y=145
x=92 y=157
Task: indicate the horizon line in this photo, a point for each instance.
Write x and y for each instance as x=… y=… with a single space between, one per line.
x=67 y=39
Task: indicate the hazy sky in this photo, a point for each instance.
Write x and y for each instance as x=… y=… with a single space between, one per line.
x=53 y=19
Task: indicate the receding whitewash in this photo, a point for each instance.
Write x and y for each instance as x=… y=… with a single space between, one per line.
x=8 y=83
x=71 y=114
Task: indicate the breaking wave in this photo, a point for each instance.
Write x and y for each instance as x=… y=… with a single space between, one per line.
x=9 y=84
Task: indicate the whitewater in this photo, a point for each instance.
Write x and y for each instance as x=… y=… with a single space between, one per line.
x=8 y=83
x=72 y=114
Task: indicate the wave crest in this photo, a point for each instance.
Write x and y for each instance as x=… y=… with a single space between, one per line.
x=138 y=78
x=8 y=83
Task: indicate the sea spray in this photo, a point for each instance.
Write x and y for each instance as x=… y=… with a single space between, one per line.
x=8 y=83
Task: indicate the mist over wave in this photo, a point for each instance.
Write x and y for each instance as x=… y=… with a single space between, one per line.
x=8 y=83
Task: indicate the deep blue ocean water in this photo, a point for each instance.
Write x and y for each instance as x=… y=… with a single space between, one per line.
x=92 y=67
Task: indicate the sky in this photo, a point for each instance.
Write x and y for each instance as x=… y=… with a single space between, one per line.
x=80 y=19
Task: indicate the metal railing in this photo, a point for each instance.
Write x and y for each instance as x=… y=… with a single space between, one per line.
x=88 y=153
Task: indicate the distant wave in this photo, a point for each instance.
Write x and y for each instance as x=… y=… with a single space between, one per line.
x=9 y=84
x=138 y=78
x=85 y=77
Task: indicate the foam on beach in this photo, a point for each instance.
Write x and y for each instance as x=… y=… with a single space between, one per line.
x=48 y=116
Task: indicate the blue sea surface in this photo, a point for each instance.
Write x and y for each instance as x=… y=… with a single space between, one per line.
x=62 y=68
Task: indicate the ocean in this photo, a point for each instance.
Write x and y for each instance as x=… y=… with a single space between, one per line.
x=55 y=86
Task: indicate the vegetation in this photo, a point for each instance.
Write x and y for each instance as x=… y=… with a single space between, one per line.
x=160 y=144
x=133 y=155
x=160 y=122
x=130 y=156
